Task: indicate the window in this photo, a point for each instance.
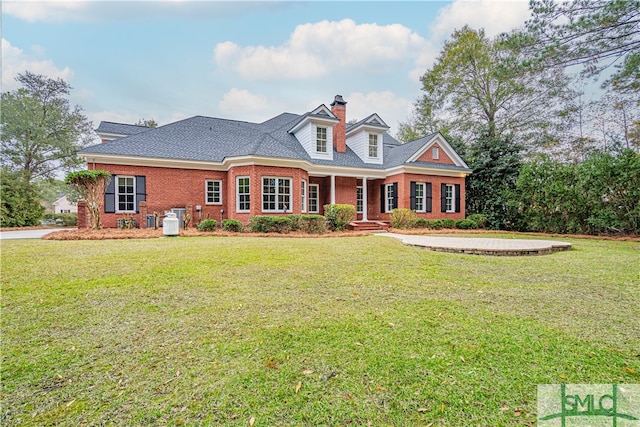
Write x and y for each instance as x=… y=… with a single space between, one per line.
x=359 y=199
x=391 y=202
x=435 y=153
x=420 y=193
x=373 y=145
x=213 y=192
x=303 y=195
x=313 y=198
x=449 y=198
x=126 y=194
x=243 y=194
x=321 y=140
x=276 y=194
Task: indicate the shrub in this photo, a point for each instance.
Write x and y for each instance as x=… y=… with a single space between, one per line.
x=269 y=224
x=466 y=224
x=208 y=225
x=232 y=225
x=297 y=222
x=313 y=224
x=64 y=219
x=434 y=224
x=339 y=216
x=419 y=223
x=479 y=219
x=448 y=223
x=402 y=218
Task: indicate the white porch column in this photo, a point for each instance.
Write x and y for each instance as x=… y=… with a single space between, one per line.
x=364 y=199
x=333 y=189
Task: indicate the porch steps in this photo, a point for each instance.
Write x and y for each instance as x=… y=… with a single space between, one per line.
x=369 y=226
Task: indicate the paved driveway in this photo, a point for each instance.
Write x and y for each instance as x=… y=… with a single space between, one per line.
x=29 y=234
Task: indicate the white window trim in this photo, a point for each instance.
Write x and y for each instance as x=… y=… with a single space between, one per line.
x=435 y=153
x=377 y=156
x=117 y=193
x=326 y=140
x=450 y=201
x=303 y=195
x=277 y=178
x=388 y=188
x=206 y=191
x=238 y=178
x=317 y=198
x=361 y=188
x=423 y=198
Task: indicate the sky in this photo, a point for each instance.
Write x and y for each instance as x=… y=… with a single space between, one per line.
x=241 y=60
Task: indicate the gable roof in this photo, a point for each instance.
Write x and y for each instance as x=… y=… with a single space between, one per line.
x=120 y=128
x=214 y=140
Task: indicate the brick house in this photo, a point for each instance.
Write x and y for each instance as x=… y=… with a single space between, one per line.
x=290 y=164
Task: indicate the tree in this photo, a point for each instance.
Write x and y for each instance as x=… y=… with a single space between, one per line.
x=590 y=33
x=496 y=164
x=90 y=184
x=20 y=204
x=477 y=85
x=151 y=123
x=41 y=132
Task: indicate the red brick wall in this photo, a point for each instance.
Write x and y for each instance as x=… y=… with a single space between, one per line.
x=339 y=130
x=442 y=158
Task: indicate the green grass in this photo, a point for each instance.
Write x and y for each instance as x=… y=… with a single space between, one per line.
x=342 y=331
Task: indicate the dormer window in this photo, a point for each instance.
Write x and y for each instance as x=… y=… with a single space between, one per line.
x=321 y=140
x=373 y=145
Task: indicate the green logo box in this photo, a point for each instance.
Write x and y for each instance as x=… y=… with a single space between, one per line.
x=593 y=405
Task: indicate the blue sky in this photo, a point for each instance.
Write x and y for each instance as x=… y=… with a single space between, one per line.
x=238 y=60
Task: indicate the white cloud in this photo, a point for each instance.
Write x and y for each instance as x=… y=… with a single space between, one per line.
x=15 y=60
x=390 y=107
x=34 y=11
x=495 y=16
x=317 y=49
x=241 y=104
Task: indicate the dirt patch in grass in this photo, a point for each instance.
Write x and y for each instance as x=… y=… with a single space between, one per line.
x=149 y=233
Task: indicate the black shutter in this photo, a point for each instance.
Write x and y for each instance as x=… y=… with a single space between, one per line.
x=110 y=196
x=141 y=191
x=428 y=191
x=412 y=196
x=443 y=197
x=395 y=195
x=382 y=199
x=457 y=187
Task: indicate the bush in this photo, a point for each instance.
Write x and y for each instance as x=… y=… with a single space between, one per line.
x=419 y=223
x=297 y=222
x=64 y=219
x=269 y=224
x=208 y=225
x=448 y=223
x=339 y=216
x=232 y=225
x=480 y=220
x=466 y=224
x=313 y=224
x=402 y=218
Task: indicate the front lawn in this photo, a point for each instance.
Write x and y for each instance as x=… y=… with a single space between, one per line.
x=280 y=331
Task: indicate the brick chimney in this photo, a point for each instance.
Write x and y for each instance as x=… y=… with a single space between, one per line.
x=339 y=108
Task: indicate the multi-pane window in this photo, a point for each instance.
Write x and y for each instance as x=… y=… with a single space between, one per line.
x=321 y=140
x=359 y=199
x=214 y=192
x=243 y=194
x=420 y=196
x=373 y=145
x=303 y=195
x=389 y=197
x=126 y=194
x=276 y=194
x=449 y=198
x=313 y=198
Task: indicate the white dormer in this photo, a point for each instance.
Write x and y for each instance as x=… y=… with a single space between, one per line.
x=365 y=139
x=315 y=132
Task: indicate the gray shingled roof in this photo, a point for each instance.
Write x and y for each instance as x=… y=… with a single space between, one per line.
x=211 y=139
x=120 y=128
